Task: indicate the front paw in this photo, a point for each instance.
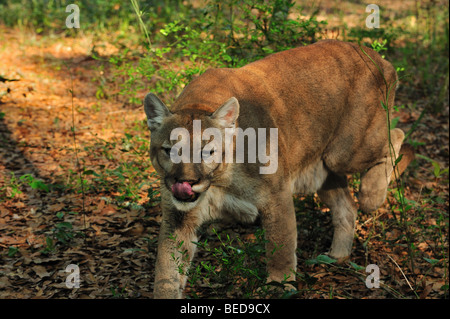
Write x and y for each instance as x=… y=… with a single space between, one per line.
x=167 y=290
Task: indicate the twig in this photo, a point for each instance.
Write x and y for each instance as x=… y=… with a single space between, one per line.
x=142 y=25
x=372 y=218
x=404 y=276
x=80 y=174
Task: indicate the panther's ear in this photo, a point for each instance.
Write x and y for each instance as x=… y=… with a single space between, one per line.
x=227 y=114
x=155 y=110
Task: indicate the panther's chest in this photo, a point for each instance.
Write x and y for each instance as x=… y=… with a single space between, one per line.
x=220 y=204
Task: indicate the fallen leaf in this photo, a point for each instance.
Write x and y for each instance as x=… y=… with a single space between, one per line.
x=41 y=271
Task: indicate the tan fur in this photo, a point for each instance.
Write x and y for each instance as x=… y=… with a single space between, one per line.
x=325 y=101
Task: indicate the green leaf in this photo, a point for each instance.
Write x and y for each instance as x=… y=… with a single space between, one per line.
x=64 y=225
x=12 y=251
x=394 y=122
x=91 y=172
x=324 y=259
x=431 y=261
x=424 y=157
x=321 y=259
x=399 y=158
x=357 y=267
x=49 y=242
x=132 y=250
x=437 y=169
x=40 y=185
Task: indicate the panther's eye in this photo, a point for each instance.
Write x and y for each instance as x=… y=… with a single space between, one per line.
x=166 y=150
x=207 y=154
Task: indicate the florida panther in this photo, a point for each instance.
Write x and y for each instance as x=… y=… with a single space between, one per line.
x=324 y=100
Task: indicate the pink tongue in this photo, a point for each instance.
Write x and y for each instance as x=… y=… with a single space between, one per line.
x=182 y=190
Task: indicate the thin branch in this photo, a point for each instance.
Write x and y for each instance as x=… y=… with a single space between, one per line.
x=404 y=276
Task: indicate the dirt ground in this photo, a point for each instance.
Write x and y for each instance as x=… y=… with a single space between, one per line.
x=117 y=248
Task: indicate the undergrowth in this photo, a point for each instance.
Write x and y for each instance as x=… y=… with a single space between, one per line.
x=163 y=46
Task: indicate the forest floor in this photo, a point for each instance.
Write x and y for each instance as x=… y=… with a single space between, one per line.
x=47 y=223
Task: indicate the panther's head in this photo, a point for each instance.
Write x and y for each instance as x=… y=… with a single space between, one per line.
x=188 y=147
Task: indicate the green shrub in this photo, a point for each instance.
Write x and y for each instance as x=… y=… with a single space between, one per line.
x=234 y=267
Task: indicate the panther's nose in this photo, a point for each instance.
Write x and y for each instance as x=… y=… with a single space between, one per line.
x=189 y=181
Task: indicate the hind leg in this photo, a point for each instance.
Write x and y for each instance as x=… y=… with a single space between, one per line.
x=335 y=194
x=375 y=181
